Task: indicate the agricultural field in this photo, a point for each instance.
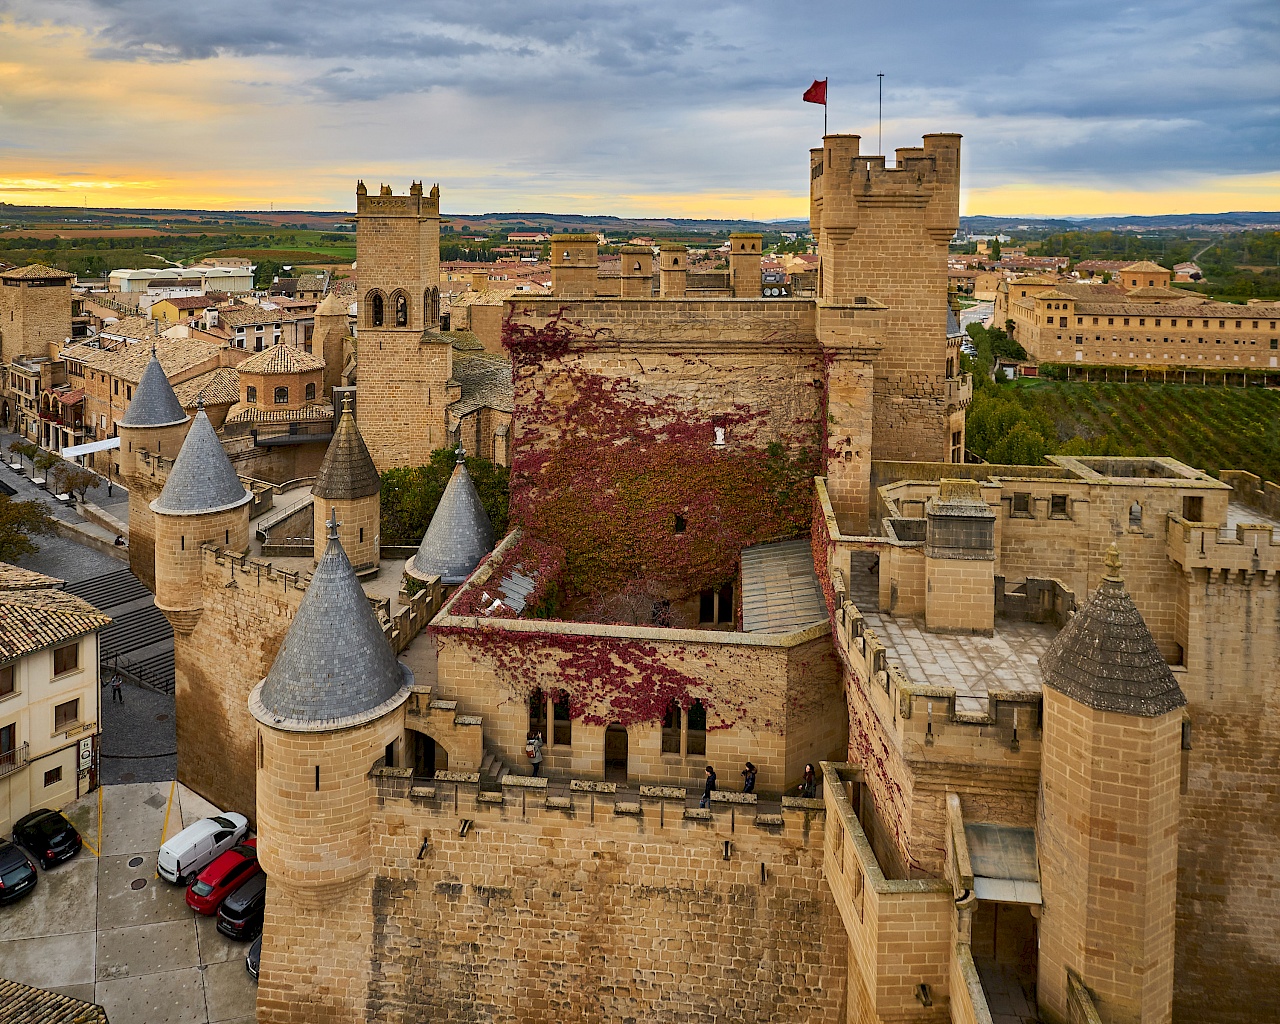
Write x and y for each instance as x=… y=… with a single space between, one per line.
x=1212 y=428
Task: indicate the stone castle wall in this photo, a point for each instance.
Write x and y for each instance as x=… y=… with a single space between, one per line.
x=581 y=910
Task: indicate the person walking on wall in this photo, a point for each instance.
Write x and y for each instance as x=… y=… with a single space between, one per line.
x=809 y=787
x=533 y=748
x=749 y=778
x=709 y=788
x=117 y=693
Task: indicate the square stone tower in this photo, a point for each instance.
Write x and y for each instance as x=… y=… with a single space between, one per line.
x=881 y=232
x=404 y=364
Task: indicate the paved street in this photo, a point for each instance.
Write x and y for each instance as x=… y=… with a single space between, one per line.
x=134 y=732
x=103 y=927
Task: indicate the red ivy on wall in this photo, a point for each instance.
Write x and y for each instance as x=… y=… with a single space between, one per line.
x=633 y=486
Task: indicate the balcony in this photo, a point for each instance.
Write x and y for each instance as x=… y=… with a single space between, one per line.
x=14 y=759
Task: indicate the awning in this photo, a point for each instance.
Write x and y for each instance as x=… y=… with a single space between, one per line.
x=93 y=446
x=1005 y=868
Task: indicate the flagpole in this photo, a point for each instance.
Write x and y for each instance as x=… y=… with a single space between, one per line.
x=881 y=77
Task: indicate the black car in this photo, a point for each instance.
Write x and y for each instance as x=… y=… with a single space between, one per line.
x=240 y=916
x=17 y=873
x=255 y=954
x=48 y=835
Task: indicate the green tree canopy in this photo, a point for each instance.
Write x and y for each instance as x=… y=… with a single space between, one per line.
x=19 y=520
x=410 y=495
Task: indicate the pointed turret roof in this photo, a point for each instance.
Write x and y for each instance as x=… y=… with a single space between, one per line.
x=459 y=534
x=154 y=403
x=202 y=478
x=347 y=470
x=335 y=668
x=1106 y=658
x=333 y=305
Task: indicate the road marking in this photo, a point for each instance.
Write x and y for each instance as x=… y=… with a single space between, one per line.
x=165 y=827
x=86 y=842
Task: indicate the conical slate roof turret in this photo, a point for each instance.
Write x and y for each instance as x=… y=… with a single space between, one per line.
x=1106 y=658
x=153 y=404
x=459 y=534
x=347 y=470
x=202 y=478
x=335 y=668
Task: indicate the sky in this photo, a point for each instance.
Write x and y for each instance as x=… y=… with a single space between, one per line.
x=1067 y=107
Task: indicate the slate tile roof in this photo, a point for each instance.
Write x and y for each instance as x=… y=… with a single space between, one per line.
x=154 y=403
x=486 y=383
x=281 y=359
x=202 y=478
x=347 y=470
x=459 y=534
x=39 y=617
x=22 y=1004
x=1106 y=659
x=335 y=665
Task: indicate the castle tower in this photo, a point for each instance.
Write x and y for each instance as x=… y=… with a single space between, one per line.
x=673 y=270
x=330 y=707
x=403 y=365
x=459 y=534
x=575 y=266
x=882 y=238
x=154 y=423
x=744 y=265
x=959 y=560
x=1108 y=829
x=348 y=485
x=35 y=311
x=637 y=271
x=332 y=328
x=202 y=502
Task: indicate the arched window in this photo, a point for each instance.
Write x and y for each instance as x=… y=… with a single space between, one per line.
x=1135 y=515
x=251 y=395
x=377 y=311
x=282 y=396
x=431 y=306
x=402 y=311
x=311 y=392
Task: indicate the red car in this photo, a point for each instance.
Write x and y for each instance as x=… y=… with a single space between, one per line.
x=221 y=878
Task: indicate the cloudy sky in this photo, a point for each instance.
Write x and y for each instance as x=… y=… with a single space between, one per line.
x=594 y=106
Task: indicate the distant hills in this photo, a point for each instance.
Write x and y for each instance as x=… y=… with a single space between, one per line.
x=1239 y=221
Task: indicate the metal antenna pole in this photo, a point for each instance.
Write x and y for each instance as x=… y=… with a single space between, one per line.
x=881 y=77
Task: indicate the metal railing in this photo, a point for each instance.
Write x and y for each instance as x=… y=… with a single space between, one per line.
x=12 y=760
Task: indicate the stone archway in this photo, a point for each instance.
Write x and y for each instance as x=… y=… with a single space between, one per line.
x=424 y=755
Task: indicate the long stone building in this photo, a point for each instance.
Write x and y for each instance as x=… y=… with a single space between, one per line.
x=1034 y=698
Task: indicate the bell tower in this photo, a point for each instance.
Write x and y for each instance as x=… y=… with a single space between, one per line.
x=403 y=363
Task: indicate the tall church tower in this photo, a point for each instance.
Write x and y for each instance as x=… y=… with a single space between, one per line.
x=403 y=365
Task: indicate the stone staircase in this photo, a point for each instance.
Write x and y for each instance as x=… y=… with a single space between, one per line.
x=493 y=769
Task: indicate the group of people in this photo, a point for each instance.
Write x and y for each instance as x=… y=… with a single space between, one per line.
x=807 y=789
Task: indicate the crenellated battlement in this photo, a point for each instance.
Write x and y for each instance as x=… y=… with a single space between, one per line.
x=386 y=204
x=1249 y=549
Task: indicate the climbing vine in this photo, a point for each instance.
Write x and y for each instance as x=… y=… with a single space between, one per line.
x=633 y=485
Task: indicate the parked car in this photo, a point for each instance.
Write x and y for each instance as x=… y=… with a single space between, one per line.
x=47 y=835
x=198 y=845
x=255 y=954
x=17 y=873
x=221 y=878
x=240 y=916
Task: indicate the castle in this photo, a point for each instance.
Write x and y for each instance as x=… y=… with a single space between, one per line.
x=1037 y=698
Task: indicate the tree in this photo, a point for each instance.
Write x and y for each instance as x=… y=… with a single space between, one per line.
x=72 y=479
x=410 y=495
x=18 y=521
x=265 y=272
x=43 y=462
x=25 y=450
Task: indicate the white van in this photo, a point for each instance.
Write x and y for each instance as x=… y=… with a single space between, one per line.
x=199 y=845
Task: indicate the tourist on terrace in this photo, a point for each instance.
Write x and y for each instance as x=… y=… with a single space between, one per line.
x=749 y=778
x=709 y=788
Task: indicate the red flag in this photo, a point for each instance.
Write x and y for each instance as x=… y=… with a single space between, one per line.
x=817 y=93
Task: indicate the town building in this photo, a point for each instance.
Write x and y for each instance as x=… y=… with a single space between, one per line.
x=198 y=279
x=49 y=694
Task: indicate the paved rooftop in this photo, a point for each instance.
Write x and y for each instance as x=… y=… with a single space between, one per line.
x=780 y=590
x=1238 y=513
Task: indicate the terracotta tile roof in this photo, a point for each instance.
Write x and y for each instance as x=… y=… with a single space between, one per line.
x=175 y=354
x=1205 y=310
x=22 y=1004
x=219 y=387
x=1157 y=292
x=36 y=272
x=244 y=316
x=196 y=301
x=281 y=359
x=318 y=413
x=1145 y=267
x=312 y=282
x=14 y=577
x=31 y=620
x=137 y=327
x=486 y=383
